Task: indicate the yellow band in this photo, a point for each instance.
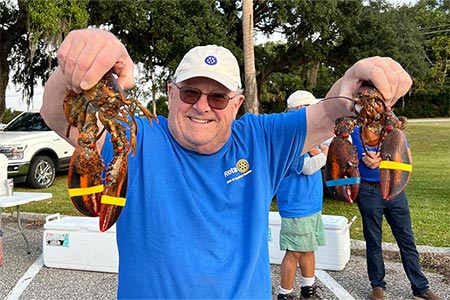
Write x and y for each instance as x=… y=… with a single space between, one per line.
x=85 y=191
x=119 y=201
x=387 y=164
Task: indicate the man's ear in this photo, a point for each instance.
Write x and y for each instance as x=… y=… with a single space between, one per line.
x=237 y=104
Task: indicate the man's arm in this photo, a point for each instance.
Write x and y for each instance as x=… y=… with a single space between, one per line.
x=316 y=160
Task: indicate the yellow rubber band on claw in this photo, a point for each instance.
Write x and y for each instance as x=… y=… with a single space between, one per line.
x=387 y=164
x=119 y=201
x=85 y=191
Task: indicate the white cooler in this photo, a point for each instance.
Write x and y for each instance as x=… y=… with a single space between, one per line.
x=333 y=256
x=77 y=243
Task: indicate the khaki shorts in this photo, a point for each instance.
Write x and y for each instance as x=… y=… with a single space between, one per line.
x=302 y=234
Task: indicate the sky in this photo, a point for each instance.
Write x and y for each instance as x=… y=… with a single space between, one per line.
x=13 y=94
x=14 y=98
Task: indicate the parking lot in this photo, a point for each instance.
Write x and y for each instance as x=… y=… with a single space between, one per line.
x=24 y=276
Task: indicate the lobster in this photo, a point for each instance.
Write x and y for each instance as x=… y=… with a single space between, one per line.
x=92 y=192
x=380 y=128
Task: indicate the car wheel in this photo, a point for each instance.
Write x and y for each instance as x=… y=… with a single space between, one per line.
x=41 y=173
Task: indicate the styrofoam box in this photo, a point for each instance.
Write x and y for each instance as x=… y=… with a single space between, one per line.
x=333 y=256
x=77 y=243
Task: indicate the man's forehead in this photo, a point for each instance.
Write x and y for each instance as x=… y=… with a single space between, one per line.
x=204 y=81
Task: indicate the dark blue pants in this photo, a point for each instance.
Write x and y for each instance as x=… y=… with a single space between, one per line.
x=372 y=206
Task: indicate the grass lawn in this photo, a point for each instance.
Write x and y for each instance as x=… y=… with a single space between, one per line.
x=428 y=191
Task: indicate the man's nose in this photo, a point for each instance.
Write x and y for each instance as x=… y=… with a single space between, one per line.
x=202 y=103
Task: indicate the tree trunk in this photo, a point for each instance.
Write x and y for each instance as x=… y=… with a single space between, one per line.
x=310 y=76
x=251 y=103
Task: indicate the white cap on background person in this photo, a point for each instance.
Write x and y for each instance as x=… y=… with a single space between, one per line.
x=211 y=61
x=300 y=98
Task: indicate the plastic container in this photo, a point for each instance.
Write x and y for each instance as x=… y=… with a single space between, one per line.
x=77 y=243
x=333 y=256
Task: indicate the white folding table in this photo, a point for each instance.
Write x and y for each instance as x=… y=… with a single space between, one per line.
x=18 y=199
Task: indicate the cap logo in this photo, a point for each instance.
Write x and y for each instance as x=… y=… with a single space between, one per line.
x=211 y=60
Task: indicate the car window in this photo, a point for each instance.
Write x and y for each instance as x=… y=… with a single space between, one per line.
x=28 y=122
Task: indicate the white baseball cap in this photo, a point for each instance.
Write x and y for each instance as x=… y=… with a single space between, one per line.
x=212 y=61
x=300 y=97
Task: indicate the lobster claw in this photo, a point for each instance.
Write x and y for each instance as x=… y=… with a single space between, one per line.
x=395 y=166
x=110 y=211
x=85 y=188
x=113 y=199
x=341 y=170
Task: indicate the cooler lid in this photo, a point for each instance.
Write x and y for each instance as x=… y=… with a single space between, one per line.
x=332 y=222
x=274 y=217
x=76 y=223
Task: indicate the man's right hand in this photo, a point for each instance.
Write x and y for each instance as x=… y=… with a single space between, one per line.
x=372 y=160
x=86 y=55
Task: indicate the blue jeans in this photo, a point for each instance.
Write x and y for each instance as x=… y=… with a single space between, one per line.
x=372 y=206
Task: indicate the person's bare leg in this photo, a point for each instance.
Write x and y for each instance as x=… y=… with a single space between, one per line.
x=307 y=263
x=289 y=269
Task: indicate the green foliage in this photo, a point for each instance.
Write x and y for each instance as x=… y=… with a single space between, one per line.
x=9 y=115
x=50 y=19
x=162 y=108
x=433 y=102
x=161 y=32
x=323 y=39
x=44 y=24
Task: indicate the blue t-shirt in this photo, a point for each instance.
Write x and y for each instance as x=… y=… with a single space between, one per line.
x=366 y=173
x=196 y=226
x=300 y=195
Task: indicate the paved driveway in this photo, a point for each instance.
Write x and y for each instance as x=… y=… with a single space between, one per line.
x=24 y=277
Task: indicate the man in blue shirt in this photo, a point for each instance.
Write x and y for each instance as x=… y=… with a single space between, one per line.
x=299 y=200
x=372 y=207
x=195 y=223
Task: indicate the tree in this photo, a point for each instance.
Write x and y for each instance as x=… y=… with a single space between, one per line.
x=251 y=92
x=12 y=27
x=30 y=32
x=431 y=92
x=323 y=39
x=157 y=34
x=313 y=31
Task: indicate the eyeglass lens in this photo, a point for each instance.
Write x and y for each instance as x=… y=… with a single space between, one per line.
x=191 y=95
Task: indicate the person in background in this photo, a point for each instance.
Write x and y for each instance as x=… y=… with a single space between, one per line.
x=195 y=223
x=372 y=207
x=299 y=200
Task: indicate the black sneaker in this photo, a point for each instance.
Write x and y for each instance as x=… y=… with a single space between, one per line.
x=289 y=296
x=308 y=292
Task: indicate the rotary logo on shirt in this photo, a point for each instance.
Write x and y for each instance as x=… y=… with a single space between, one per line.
x=241 y=169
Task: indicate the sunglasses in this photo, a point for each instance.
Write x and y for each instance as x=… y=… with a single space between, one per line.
x=191 y=95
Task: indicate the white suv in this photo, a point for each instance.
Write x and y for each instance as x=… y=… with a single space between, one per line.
x=35 y=153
